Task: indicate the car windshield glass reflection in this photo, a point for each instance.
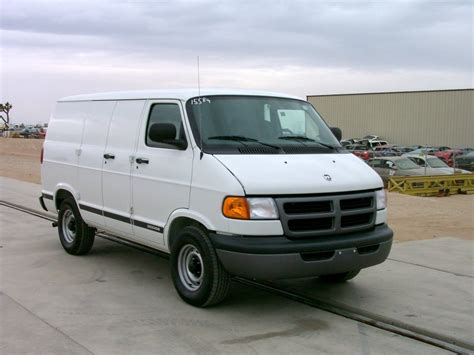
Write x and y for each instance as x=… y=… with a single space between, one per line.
x=405 y=164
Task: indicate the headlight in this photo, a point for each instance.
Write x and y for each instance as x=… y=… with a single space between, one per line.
x=249 y=208
x=381 y=198
x=262 y=208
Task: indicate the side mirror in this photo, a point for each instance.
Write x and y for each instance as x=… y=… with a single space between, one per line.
x=162 y=133
x=337 y=132
x=166 y=133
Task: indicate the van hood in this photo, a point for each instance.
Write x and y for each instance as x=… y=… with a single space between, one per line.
x=301 y=174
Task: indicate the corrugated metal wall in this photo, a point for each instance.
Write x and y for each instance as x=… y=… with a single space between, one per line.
x=425 y=117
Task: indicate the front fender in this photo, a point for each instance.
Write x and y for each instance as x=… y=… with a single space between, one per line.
x=184 y=212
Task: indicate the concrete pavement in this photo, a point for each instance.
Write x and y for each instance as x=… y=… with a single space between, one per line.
x=425 y=285
x=120 y=300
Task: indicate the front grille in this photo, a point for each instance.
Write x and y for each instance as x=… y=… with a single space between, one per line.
x=326 y=215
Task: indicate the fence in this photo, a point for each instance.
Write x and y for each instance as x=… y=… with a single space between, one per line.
x=440 y=185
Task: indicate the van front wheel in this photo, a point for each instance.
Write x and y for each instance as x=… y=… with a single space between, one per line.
x=75 y=235
x=197 y=274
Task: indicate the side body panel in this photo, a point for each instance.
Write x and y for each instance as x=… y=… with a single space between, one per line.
x=116 y=179
x=62 y=149
x=160 y=186
x=98 y=114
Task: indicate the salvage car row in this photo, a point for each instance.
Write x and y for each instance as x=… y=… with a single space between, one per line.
x=443 y=159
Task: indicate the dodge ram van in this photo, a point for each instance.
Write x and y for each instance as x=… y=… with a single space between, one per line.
x=227 y=182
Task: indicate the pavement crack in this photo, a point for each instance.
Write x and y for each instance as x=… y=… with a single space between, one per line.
x=301 y=327
x=364 y=341
x=431 y=268
x=46 y=322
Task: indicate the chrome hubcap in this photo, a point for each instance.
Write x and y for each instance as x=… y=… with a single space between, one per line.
x=190 y=267
x=69 y=226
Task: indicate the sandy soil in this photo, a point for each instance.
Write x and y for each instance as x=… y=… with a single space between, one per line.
x=20 y=158
x=411 y=218
x=416 y=218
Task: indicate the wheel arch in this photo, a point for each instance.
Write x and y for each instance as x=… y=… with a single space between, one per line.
x=180 y=219
x=63 y=192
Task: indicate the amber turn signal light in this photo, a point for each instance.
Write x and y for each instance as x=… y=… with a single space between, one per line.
x=236 y=207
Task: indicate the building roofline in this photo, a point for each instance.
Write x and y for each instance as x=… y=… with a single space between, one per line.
x=388 y=92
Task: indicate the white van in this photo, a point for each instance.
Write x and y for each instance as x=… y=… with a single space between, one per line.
x=228 y=182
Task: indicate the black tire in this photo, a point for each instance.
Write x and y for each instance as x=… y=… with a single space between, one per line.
x=338 y=278
x=69 y=219
x=208 y=281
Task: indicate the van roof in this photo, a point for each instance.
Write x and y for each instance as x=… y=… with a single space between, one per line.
x=180 y=94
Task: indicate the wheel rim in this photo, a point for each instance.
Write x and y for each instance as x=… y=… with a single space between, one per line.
x=69 y=226
x=190 y=267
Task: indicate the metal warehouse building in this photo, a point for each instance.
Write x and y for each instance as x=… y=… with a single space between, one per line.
x=441 y=117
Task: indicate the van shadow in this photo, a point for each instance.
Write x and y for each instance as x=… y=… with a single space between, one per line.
x=149 y=267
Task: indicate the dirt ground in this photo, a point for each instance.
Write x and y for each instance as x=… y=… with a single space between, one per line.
x=411 y=218
x=20 y=158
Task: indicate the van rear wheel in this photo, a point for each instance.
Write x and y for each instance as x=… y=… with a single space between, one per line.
x=197 y=274
x=75 y=235
x=340 y=277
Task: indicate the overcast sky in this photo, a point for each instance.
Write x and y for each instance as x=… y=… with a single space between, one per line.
x=56 y=48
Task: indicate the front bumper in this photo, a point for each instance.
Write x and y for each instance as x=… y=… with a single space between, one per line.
x=278 y=257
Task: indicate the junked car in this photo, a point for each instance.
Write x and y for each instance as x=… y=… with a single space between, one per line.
x=386 y=151
x=449 y=156
x=434 y=162
x=387 y=167
x=466 y=161
x=360 y=151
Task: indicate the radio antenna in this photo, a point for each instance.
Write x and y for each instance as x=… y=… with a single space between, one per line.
x=199 y=111
x=199 y=82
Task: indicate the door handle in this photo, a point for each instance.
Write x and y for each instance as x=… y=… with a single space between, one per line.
x=109 y=156
x=142 y=161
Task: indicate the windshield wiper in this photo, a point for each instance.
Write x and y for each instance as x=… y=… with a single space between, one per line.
x=244 y=139
x=297 y=138
x=303 y=139
x=234 y=138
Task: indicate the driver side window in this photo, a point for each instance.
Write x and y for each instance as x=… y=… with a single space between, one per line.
x=165 y=128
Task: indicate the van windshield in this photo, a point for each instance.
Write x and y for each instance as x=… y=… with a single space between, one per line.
x=258 y=125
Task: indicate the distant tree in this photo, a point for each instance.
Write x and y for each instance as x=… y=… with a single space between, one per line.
x=5 y=109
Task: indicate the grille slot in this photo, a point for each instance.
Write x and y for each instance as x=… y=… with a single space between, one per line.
x=301 y=149
x=307 y=207
x=318 y=256
x=296 y=225
x=368 y=249
x=258 y=150
x=354 y=203
x=355 y=220
x=323 y=215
